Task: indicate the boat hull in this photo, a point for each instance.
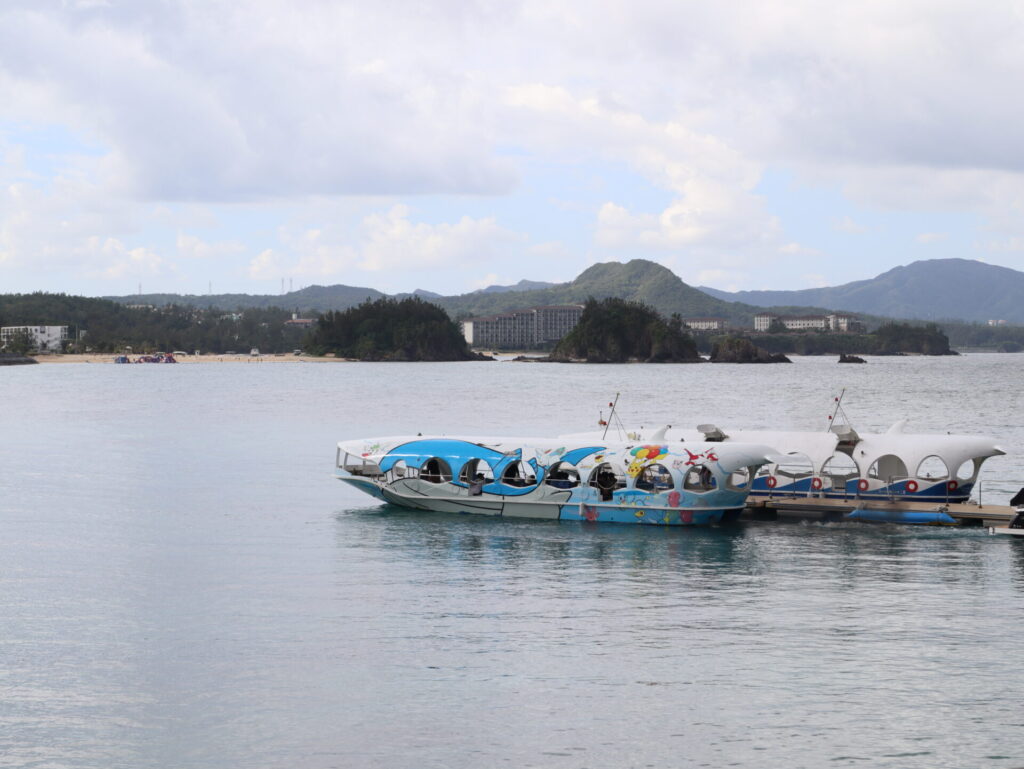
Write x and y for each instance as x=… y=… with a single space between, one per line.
x=560 y=506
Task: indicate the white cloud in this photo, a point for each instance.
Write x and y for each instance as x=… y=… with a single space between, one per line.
x=930 y=237
x=902 y=106
x=120 y=261
x=193 y=247
x=714 y=205
x=386 y=241
x=265 y=265
x=846 y=224
x=209 y=101
x=795 y=249
x=393 y=241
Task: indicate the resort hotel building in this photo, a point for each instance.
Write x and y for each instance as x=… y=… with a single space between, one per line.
x=833 y=322
x=532 y=328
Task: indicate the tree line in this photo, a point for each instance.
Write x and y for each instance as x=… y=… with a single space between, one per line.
x=101 y=325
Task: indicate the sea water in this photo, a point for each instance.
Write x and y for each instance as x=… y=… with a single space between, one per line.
x=183 y=583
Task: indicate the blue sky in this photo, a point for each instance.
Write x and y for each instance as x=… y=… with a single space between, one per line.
x=189 y=144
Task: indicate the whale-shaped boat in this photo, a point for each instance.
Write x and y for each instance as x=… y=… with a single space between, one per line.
x=622 y=481
x=841 y=463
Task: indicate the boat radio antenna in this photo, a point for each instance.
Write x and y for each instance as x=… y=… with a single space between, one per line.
x=838 y=410
x=611 y=415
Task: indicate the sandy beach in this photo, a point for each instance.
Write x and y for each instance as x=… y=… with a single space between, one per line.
x=109 y=358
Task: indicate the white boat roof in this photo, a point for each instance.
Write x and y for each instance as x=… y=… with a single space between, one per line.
x=819 y=447
x=730 y=457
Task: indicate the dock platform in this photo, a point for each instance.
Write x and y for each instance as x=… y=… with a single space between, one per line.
x=820 y=508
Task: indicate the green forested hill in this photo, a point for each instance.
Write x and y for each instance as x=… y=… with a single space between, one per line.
x=306 y=300
x=636 y=281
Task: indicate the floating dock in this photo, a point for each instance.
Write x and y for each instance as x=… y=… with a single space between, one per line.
x=875 y=510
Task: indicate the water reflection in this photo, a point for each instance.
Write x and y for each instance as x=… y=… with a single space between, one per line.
x=556 y=546
x=847 y=554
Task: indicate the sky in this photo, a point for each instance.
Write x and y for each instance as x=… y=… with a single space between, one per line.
x=190 y=146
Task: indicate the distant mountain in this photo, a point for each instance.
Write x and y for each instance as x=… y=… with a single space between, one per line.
x=934 y=289
x=422 y=293
x=638 y=280
x=309 y=299
x=523 y=285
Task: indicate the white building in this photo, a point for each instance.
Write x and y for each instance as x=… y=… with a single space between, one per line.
x=44 y=338
x=522 y=329
x=832 y=322
x=704 y=324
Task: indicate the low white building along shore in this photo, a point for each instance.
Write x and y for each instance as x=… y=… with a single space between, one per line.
x=43 y=338
x=529 y=328
x=704 y=324
x=763 y=321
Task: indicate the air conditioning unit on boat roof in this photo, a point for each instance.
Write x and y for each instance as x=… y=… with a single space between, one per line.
x=845 y=433
x=712 y=433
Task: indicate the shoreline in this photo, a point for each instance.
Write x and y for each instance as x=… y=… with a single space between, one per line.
x=187 y=359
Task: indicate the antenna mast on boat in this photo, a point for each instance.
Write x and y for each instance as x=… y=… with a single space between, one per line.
x=611 y=416
x=837 y=410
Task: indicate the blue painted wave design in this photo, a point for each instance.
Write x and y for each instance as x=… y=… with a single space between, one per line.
x=457 y=453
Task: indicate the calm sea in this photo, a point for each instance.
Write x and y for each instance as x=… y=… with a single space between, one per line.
x=183 y=584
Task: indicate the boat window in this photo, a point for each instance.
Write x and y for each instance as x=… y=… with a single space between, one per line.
x=794 y=467
x=473 y=468
x=518 y=473
x=357 y=465
x=654 y=477
x=436 y=470
x=562 y=475
x=401 y=470
x=606 y=479
x=932 y=469
x=603 y=474
x=968 y=470
x=699 y=479
x=738 y=479
x=888 y=467
x=838 y=470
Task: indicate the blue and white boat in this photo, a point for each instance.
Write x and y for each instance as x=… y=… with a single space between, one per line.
x=621 y=481
x=841 y=463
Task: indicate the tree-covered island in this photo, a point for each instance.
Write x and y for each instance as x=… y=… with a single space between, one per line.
x=618 y=331
x=390 y=330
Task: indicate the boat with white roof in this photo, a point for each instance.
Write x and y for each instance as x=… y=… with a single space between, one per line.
x=621 y=481
x=842 y=464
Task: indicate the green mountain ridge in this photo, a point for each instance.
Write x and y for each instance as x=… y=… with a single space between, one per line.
x=638 y=280
x=938 y=289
